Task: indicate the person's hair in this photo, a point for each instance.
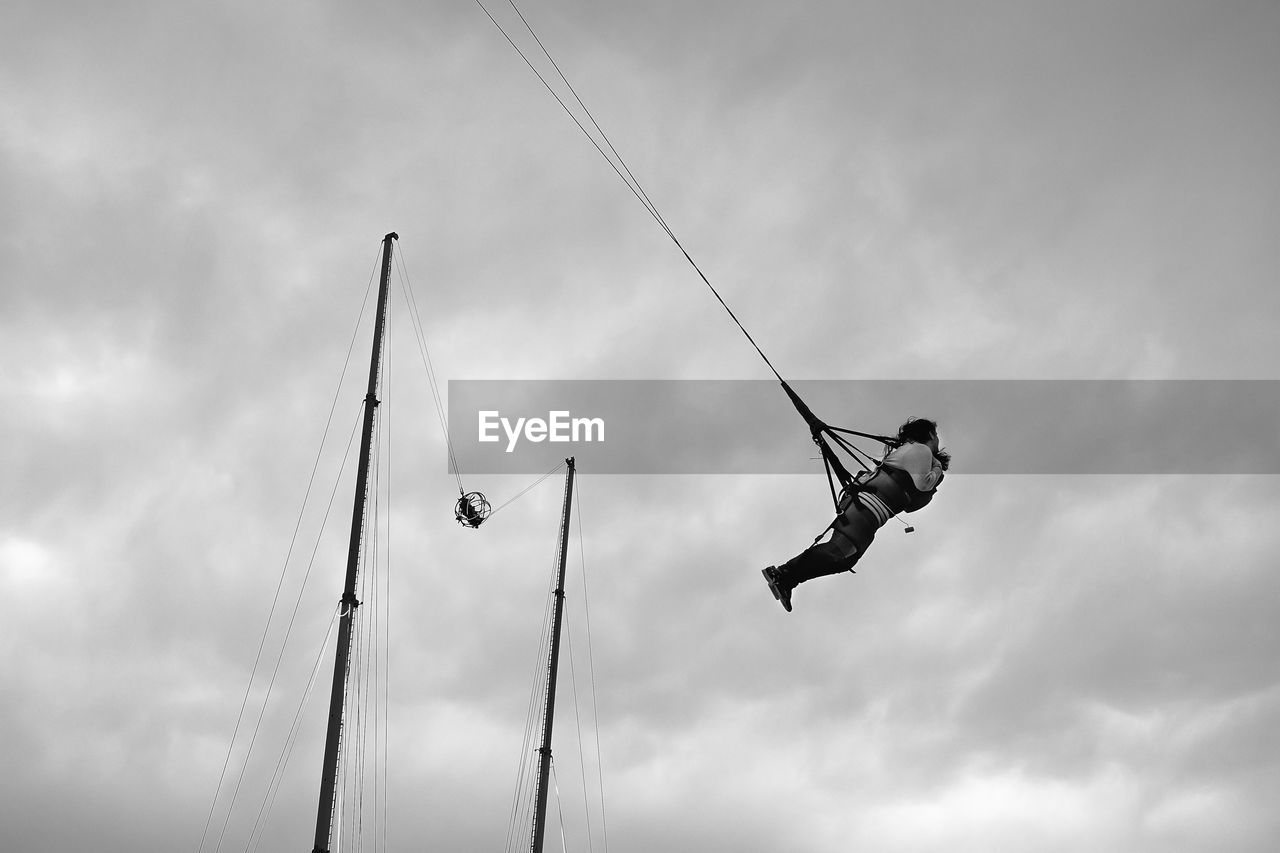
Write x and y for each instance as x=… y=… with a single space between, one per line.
x=920 y=430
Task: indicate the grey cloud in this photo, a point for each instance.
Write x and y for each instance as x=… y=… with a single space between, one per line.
x=192 y=201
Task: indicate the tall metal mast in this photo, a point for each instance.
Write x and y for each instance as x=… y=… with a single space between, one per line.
x=544 y=752
x=329 y=773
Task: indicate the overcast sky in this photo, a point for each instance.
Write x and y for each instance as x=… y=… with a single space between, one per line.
x=192 y=198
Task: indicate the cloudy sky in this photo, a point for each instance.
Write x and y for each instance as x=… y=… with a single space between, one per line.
x=192 y=199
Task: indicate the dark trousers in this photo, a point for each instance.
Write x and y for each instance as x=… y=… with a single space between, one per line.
x=852 y=532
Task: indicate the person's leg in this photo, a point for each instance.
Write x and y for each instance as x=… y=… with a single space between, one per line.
x=851 y=533
x=824 y=558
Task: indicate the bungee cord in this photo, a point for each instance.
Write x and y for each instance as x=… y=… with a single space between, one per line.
x=615 y=160
x=415 y=319
x=525 y=490
x=822 y=433
x=472 y=508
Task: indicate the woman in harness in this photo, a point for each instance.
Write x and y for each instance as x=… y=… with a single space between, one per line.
x=905 y=481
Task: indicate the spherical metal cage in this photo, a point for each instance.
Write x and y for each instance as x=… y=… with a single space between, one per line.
x=472 y=509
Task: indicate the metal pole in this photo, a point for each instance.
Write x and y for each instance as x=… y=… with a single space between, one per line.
x=329 y=772
x=544 y=752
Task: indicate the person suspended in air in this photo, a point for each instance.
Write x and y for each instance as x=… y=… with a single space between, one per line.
x=905 y=480
x=471 y=510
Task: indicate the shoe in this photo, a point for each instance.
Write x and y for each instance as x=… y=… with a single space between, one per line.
x=778 y=587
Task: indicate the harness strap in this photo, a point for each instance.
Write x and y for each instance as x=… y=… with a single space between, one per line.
x=819 y=430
